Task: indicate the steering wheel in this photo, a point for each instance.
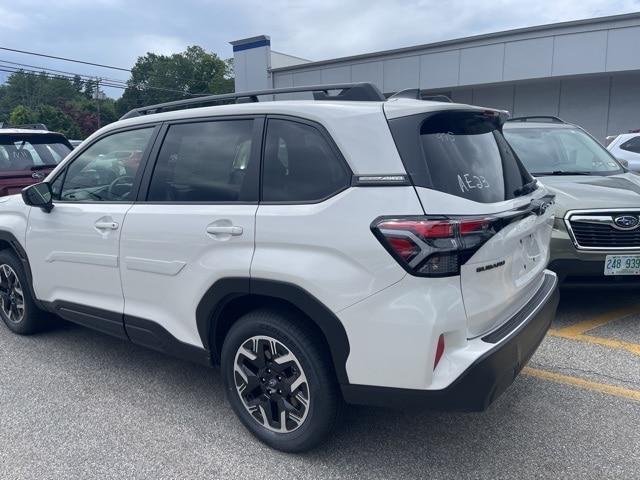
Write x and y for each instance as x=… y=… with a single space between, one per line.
x=123 y=181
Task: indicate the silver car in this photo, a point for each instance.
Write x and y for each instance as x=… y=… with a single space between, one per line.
x=596 y=236
x=626 y=148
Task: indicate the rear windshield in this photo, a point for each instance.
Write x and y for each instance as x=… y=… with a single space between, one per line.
x=23 y=152
x=461 y=153
x=549 y=151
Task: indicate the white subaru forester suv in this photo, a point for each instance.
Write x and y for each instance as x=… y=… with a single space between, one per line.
x=346 y=248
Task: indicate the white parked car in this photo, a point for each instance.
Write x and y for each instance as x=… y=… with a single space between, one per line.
x=351 y=249
x=626 y=147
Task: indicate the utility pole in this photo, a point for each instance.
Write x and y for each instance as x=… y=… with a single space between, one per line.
x=97 y=95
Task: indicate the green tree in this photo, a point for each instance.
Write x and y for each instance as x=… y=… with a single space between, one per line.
x=56 y=120
x=21 y=115
x=89 y=89
x=69 y=104
x=163 y=78
x=78 y=83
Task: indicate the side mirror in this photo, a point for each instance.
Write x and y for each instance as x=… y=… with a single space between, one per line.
x=625 y=163
x=39 y=195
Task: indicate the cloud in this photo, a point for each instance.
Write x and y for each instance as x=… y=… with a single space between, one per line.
x=12 y=20
x=159 y=44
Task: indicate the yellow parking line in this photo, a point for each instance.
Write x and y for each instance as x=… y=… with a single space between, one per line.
x=578 y=330
x=605 y=342
x=583 y=327
x=582 y=383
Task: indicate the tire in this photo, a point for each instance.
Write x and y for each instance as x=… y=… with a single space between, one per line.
x=312 y=408
x=17 y=307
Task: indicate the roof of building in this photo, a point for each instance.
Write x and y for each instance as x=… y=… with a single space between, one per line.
x=474 y=38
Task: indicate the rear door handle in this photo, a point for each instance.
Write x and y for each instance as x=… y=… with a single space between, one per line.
x=225 y=230
x=106 y=225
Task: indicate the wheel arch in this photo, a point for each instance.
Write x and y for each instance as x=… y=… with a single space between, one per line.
x=229 y=298
x=8 y=241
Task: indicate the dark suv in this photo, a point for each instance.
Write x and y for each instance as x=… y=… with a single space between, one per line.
x=27 y=154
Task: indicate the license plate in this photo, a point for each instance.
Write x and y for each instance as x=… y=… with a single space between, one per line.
x=622 y=265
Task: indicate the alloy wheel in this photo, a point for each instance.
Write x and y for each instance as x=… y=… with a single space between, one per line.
x=11 y=295
x=272 y=384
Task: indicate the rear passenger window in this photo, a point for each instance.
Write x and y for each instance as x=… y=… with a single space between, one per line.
x=632 y=145
x=205 y=162
x=299 y=164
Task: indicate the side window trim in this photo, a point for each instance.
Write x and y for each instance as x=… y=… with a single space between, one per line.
x=143 y=162
x=332 y=145
x=253 y=171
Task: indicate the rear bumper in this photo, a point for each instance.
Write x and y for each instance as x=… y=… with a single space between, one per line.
x=482 y=382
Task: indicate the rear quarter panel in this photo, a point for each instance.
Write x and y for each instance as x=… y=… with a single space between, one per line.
x=328 y=248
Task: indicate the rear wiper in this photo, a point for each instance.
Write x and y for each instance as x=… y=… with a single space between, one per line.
x=562 y=172
x=526 y=189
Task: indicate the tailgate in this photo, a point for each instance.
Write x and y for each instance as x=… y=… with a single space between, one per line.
x=502 y=276
x=493 y=213
x=508 y=269
x=14 y=182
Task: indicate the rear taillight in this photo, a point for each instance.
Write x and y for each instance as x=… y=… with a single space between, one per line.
x=434 y=247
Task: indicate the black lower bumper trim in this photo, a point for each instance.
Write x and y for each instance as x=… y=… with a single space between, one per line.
x=482 y=382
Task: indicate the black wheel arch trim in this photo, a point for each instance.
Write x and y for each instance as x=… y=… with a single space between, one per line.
x=218 y=296
x=20 y=252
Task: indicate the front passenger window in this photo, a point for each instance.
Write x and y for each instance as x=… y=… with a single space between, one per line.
x=106 y=171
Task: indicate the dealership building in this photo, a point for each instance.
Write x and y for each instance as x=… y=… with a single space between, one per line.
x=586 y=71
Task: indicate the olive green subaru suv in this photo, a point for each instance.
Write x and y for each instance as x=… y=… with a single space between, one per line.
x=596 y=235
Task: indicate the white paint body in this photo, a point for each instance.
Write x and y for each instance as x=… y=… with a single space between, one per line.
x=72 y=259
x=160 y=259
x=169 y=260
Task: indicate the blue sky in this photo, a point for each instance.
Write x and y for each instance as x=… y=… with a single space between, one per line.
x=116 y=32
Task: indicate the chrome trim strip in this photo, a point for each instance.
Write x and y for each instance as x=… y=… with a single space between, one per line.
x=589 y=217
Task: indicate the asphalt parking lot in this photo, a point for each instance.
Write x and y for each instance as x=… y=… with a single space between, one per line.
x=78 y=404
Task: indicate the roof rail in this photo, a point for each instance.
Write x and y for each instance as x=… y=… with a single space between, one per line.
x=30 y=126
x=412 y=93
x=533 y=118
x=348 y=91
x=416 y=94
x=438 y=98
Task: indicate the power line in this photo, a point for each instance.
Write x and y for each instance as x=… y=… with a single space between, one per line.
x=8 y=69
x=65 y=59
x=98 y=65
x=60 y=71
x=113 y=83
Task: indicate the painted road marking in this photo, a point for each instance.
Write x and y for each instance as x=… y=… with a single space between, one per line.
x=584 y=384
x=590 y=324
x=578 y=330
x=605 y=342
